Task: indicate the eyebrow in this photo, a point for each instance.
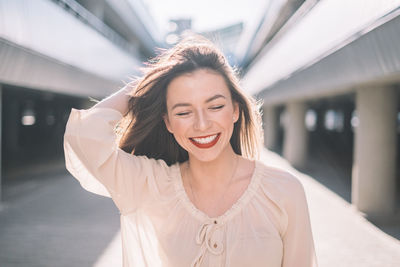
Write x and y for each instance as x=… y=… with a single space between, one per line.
x=207 y=101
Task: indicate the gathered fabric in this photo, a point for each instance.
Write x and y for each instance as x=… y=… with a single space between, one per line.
x=209 y=243
x=268 y=225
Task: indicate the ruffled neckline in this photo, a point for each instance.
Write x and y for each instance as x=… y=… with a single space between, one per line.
x=228 y=214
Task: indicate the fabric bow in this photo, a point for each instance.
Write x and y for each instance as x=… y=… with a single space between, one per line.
x=204 y=238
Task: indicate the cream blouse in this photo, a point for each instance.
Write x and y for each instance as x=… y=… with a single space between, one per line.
x=268 y=226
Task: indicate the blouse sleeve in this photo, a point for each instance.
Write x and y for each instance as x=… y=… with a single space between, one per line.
x=94 y=159
x=298 y=244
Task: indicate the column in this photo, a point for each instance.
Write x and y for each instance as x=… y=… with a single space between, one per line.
x=295 y=144
x=374 y=166
x=270 y=127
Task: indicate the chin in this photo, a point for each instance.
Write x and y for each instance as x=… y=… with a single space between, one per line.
x=203 y=158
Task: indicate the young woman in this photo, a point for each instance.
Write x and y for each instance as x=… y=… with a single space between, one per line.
x=183 y=176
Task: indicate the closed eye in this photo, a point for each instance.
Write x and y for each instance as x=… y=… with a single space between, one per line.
x=217 y=107
x=182 y=113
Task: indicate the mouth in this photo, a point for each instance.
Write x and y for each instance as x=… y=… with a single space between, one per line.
x=205 y=141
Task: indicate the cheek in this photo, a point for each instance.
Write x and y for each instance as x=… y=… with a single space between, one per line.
x=179 y=127
x=227 y=117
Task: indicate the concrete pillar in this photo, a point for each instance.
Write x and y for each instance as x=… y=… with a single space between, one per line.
x=374 y=166
x=295 y=146
x=270 y=127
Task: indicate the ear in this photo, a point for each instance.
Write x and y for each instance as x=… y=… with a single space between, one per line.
x=236 y=111
x=167 y=124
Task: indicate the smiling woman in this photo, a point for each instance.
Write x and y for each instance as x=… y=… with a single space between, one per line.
x=176 y=70
x=201 y=114
x=184 y=175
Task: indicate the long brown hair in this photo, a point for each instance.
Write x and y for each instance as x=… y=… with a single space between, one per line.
x=145 y=133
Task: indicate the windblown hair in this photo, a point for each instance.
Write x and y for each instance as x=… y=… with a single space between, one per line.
x=145 y=133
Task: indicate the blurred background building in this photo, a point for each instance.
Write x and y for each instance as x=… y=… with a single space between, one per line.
x=327 y=71
x=329 y=79
x=55 y=55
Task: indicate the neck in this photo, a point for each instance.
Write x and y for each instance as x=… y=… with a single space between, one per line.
x=213 y=175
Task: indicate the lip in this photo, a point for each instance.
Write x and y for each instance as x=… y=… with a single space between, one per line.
x=207 y=145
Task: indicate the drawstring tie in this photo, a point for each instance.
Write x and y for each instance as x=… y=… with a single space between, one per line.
x=205 y=239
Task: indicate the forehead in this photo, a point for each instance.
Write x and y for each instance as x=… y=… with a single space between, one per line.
x=196 y=87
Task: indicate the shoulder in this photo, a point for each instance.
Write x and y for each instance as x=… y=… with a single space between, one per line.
x=152 y=162
x=157 y=176
x=141 y=165
x=277 y=175
x=280 y=182
x=284 y=190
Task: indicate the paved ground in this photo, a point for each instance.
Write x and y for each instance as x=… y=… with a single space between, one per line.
x=343 y=237
x=53 y=222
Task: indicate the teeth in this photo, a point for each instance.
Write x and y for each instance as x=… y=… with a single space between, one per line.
x=205 y=140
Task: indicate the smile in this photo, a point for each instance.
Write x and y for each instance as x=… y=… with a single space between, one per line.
x=205 y=141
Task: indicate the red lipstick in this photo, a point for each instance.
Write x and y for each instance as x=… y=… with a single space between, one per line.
x=206 y=145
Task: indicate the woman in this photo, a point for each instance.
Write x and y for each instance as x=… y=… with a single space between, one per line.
x=183 y=176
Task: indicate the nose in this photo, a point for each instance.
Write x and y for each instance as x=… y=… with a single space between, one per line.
x=202 y=121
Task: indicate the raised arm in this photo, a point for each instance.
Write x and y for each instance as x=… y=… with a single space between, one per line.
x=117 y=101
x=93 y=157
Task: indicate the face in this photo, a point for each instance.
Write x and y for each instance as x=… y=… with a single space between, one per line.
x=201 y=114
